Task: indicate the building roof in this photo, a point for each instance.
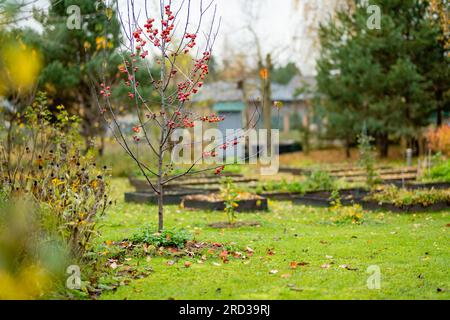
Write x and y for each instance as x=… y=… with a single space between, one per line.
x=298 y=89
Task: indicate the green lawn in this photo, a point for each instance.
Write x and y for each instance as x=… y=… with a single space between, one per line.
x=412 y=252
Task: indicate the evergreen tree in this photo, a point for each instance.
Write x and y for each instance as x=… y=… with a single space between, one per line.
x=384 y=77
x=74 y=58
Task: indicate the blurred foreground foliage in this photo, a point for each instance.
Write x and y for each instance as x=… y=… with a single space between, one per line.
x=52 y=198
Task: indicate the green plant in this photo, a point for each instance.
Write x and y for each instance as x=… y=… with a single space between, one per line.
x=345 y=214
x=166 y=238
x=440 y=172
x=229 y=194
x=348 y=214
x=319 y=180
x=281 y=186
x=367 y=158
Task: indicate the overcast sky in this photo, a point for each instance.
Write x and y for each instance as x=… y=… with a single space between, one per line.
x=279 y=24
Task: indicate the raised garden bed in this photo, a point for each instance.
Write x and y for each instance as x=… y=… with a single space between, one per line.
x=280 y=195
x=381 y=172
x=415 y=208
x=429 y=185
x=332 y=170
x=142 y=185
x=322 y=198
x=361 y=196
x=214 y=202
x=170 y=196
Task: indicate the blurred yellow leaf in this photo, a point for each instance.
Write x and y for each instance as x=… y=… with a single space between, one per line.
x=21 y=67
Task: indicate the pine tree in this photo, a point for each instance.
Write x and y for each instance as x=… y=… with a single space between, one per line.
x=381 y=76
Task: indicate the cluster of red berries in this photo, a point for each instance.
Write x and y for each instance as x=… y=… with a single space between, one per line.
x=210 y=154
x=192 y=43
x=192 y=85
x=212 y=118
x=106 y=90
x=219 y=170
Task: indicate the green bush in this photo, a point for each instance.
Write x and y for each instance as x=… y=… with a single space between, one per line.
x=441 y=172
x=281 y=186
x=319 y=180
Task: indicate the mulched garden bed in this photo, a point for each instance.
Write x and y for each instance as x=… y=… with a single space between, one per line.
x=214 y=202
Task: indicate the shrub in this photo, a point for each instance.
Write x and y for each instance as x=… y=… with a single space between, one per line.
x=281 y=186
x=441 y=172
x=439 y=139
x=43 y=161
x=319 y=180
x=345 y=214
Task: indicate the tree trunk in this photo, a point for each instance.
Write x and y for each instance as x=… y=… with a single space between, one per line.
x=161 y=209
x=439 y=96
x=383 y=145
x=347 y=149
x=267 y=99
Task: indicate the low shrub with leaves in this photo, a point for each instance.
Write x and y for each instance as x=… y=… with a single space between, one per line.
x=345 y=214
x=281 y=186
x=167 y=238
x=440 y=172
x=319 y=180
x=439 y=139
x=402 y=197
x=42 y=160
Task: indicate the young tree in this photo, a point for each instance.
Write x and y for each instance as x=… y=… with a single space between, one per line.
x=166 y=41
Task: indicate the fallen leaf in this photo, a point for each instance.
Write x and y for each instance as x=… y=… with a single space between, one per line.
x=170 y=263
x=346 y=266
x=286 y=275
x=273 y=271
x=293 y=264
x=325 y=266
x=187 y=264
x=113 y=265
x=296 y=289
